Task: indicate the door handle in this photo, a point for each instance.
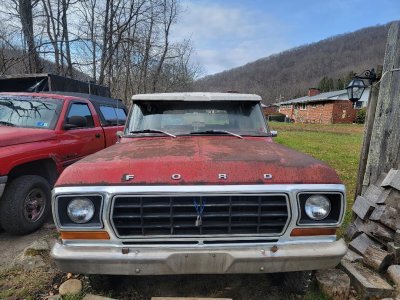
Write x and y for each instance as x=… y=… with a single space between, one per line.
x=97 y=135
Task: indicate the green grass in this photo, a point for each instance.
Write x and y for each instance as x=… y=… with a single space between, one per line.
x=337 y=145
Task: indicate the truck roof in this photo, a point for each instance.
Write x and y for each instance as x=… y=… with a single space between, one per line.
x=196 y=96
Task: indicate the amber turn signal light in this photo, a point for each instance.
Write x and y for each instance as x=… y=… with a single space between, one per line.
x=84 y=235
x=313 y=231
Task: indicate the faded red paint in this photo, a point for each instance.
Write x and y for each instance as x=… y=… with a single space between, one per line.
x=14 y=135
x=199 y=160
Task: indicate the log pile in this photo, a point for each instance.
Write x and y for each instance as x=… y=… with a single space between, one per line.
x=374 y=233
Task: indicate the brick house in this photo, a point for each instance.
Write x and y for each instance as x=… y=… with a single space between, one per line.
x=270 y=109
x=325 y=108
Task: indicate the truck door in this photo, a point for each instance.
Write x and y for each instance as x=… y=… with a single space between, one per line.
x=81 y=141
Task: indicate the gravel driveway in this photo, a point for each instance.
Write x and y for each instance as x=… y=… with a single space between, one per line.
x=11 y=245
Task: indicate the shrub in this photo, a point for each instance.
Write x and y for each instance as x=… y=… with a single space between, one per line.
x=360 y=117
x=277 y=117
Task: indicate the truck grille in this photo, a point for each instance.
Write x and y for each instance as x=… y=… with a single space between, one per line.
x=177 y=215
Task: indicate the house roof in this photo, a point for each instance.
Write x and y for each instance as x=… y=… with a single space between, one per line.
x=328 y=96
x=198 y=96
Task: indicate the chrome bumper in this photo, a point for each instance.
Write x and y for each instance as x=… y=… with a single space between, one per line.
x=163 y=261
x=3 y=181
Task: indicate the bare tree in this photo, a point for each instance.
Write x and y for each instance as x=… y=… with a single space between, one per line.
x=121 y=43
x=25 y=13
x=169 y=15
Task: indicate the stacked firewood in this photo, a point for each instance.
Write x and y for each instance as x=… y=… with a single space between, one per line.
x=375 y=232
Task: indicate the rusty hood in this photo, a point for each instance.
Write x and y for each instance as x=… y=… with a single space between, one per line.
x=198 y=160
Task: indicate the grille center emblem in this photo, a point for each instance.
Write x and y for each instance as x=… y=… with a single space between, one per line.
x=199 y=206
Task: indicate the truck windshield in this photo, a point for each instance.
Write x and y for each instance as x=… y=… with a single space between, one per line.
x=30 y=112
x=188 y=117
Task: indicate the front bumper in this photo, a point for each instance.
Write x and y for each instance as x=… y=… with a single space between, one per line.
x=164 y=261
x=3 y=181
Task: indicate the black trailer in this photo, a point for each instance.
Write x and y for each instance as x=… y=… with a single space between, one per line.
x=46 y=82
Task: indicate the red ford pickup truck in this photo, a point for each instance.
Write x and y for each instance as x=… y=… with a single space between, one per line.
x=40 y=135
x=197 y=186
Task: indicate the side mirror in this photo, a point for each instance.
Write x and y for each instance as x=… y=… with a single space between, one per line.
x=274 y=133
x=75 y=122
x=119 y=135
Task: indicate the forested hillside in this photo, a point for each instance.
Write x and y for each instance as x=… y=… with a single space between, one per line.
x=290 y=73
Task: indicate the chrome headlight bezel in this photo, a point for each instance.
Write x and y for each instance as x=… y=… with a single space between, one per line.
x=62 y=219
x=336 y=212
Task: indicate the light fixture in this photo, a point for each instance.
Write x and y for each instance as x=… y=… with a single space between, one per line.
x=357 y=86
x=355 y=89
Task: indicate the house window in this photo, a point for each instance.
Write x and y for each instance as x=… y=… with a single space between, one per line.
x=303 y=106
x=358 y=105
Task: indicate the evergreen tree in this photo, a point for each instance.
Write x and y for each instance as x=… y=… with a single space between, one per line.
x=348 y=78
x=323 y=84
x=339 y=84
x=331 y=86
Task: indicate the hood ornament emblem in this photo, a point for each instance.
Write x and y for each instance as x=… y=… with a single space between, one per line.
x=127 y=177
x=267 y=176
x=176 y=176
x=199 y=210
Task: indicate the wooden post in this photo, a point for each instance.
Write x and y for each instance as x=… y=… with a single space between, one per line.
x=369 y=122
x=383 y=152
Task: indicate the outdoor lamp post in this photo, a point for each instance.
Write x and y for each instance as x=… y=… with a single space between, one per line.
x=355 y=89
x=357 y=86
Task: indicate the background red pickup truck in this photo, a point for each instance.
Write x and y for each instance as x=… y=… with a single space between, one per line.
x=40 y=135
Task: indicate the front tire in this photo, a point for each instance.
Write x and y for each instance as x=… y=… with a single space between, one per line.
x=25 y=205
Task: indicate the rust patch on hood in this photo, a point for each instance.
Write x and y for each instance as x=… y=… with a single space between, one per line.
x=199 y=160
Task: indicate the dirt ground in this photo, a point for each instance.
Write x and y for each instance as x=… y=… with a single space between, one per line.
x=237 y=287
x=11 y=246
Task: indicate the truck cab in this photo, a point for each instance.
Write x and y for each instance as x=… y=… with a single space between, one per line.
x=40 y=135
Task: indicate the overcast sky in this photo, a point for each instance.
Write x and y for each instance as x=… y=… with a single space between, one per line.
x=230 y=33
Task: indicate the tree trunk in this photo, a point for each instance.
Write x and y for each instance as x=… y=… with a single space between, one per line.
x=169 y=17
x=25 y=14
x=104 y=43
x=64 y=22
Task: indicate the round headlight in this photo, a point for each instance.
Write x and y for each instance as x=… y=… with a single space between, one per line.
x=317 y=207
x=80 y=210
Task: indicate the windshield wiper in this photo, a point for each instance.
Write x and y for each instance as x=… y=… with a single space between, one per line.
x=7 y=123
x=153 y=131
x=216 y=132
